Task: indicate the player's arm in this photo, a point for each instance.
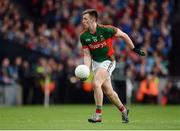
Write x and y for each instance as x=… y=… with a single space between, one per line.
x=125 y=37
x=86 y=52
x=87 y=57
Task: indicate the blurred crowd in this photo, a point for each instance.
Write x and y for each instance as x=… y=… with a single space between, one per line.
x=52 y=27
x=34 y=78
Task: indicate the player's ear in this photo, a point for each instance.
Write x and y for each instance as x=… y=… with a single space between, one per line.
x=93 y=19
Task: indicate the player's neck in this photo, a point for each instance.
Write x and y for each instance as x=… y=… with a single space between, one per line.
x=92 y=28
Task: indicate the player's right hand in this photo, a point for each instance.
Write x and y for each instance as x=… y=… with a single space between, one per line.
x=83 y=79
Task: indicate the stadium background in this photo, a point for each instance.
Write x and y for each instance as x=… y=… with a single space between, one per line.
x=40 y=48
x=40 y=41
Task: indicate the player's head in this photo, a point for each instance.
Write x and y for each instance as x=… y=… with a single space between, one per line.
x=88 y=17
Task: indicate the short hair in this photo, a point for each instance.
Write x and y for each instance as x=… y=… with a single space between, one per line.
x=91 y=12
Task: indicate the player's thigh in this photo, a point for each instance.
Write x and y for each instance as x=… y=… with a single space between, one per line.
x=107 y=87
x=100 y=76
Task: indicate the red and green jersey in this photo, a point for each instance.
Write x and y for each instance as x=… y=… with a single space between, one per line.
x=100 y=43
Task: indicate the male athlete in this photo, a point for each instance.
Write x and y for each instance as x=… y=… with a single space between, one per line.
x=98 y=52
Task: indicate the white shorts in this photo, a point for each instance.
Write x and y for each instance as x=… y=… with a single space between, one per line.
x=107 y=64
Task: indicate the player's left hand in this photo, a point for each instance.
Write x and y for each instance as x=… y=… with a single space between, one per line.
x=139 y=51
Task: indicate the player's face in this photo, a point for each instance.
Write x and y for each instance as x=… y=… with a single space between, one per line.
x=86 y=21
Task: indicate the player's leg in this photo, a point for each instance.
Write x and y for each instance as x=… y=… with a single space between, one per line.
x=98 y=80
x=113 y=97
x=111 y=94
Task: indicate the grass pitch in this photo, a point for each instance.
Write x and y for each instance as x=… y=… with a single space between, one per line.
x=74 y=117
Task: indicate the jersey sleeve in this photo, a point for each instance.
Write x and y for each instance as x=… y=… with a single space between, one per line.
x=83 y=42
x=111 y=30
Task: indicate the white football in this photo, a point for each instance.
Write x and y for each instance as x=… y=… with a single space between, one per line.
x=82 y=71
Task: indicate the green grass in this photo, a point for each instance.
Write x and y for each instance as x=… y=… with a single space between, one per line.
x=69 y=117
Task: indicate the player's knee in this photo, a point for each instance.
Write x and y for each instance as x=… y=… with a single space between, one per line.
x=96 y=84
x=109 y=93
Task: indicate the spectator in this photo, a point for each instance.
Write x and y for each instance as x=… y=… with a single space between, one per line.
x=148 y=90
x=6 y=72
